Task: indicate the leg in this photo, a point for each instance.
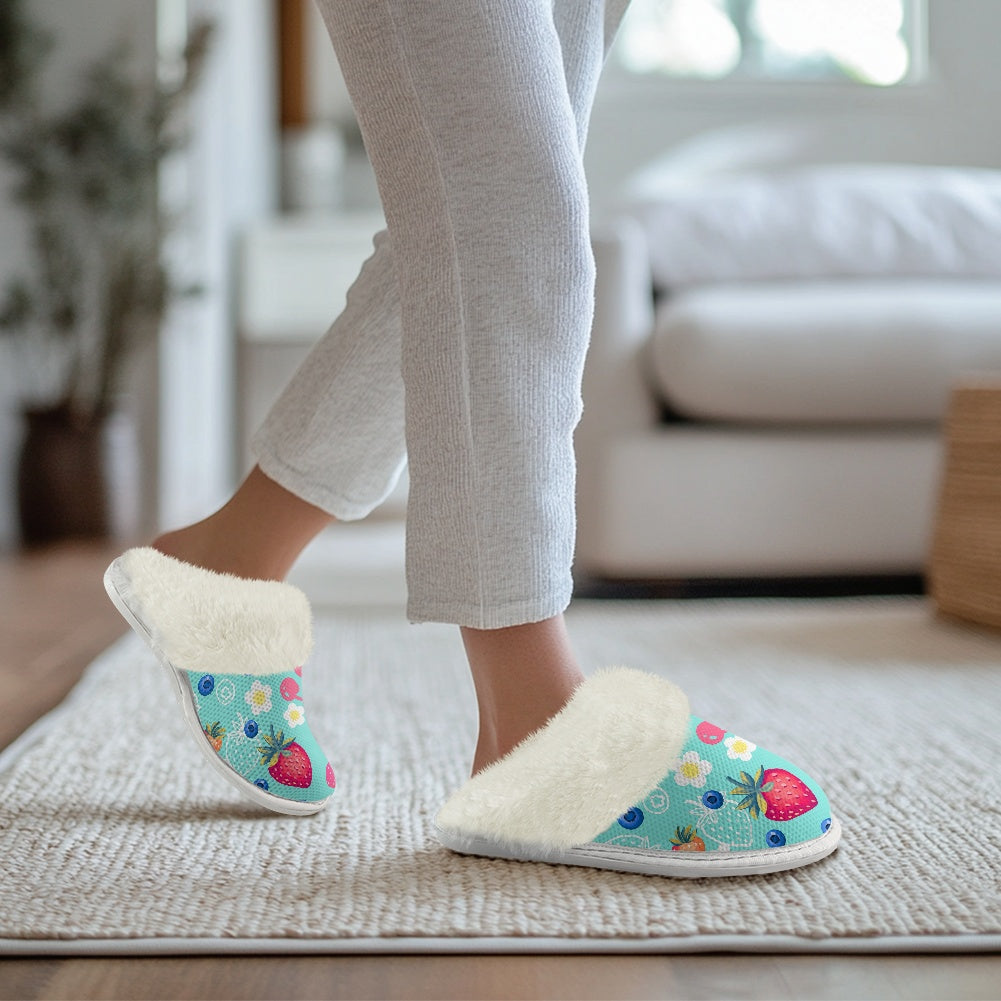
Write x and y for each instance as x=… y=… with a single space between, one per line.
x=332 y=445
x=487 y=212
x=522 y=675
x=472 y=134
x=317 y=436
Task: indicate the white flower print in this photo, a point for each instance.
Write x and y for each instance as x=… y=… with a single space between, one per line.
x=737 y=747
x=258 y=698
x=295 y=715
x=691 y=770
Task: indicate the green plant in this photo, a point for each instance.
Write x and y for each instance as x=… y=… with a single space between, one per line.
x=86 y=176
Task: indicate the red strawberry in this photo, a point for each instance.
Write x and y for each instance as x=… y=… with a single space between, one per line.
x=286 y=761
x=709 y=733
x=773 y=791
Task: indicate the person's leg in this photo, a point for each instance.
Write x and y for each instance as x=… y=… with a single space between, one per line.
x=332 y=445
x=524 y=674
x=476 y=143
x=335 y=437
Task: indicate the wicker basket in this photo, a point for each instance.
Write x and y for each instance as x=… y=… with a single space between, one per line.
x=964 y=574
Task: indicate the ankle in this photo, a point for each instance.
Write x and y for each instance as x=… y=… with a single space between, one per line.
x=523 y=676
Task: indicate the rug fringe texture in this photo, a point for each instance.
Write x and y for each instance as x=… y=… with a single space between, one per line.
x=112 y=834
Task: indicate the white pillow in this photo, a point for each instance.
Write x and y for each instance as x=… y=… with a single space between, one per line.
x=854 y=220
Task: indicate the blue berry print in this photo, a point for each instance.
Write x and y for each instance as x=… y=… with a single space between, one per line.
x=250 y=728
x=713 y=799
x=825 y=825
x=775 y=839
x=631 y=819
x=261 y=783
x=206 y=684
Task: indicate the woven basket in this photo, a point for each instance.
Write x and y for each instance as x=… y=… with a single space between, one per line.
x=964 y=574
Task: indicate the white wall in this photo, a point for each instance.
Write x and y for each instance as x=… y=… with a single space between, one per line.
x=950 y=118
x=227 y=179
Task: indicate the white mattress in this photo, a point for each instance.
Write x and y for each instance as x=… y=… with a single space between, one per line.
x=824 y=351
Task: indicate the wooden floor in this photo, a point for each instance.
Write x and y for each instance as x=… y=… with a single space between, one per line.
x=55 y=617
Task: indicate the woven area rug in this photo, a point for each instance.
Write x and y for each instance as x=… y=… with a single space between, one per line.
x=114 y=839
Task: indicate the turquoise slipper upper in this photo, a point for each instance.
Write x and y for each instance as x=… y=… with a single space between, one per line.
x=724 y=793
x=257 y=725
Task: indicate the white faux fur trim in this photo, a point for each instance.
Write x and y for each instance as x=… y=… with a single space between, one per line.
x=563 y=785
x=211 y=622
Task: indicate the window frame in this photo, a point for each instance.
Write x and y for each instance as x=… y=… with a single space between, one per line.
x=918 y=82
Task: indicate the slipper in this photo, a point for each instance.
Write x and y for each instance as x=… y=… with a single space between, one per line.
x=233 y=650
x=624 y=777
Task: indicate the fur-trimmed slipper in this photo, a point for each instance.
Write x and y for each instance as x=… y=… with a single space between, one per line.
x=625 y=778
x=233 y=650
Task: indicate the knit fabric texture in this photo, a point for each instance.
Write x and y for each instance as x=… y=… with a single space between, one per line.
x=724 y=793
x=461 y=347
x=257 y=725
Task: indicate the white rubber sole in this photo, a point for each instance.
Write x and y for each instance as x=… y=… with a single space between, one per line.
x=115 y=581
x=680 y=865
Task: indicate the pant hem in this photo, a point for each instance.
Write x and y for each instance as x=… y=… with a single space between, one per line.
x=340 y=507
x=516 y=614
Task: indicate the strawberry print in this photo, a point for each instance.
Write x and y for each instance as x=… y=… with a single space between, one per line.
x=775 y=792
x=286 y=761
x=686 y=840
x=215 y=732
x=724 y=793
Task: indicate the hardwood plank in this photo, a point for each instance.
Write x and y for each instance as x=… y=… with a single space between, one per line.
x=909 y=978
x=54 y=619
x=586 y=978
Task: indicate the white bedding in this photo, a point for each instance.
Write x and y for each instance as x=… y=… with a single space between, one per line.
x=853 y=220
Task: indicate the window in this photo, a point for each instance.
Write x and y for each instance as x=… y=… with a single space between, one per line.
x=871 y=42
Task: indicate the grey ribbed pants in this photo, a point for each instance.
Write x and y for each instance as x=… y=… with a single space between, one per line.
x=462 y=343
